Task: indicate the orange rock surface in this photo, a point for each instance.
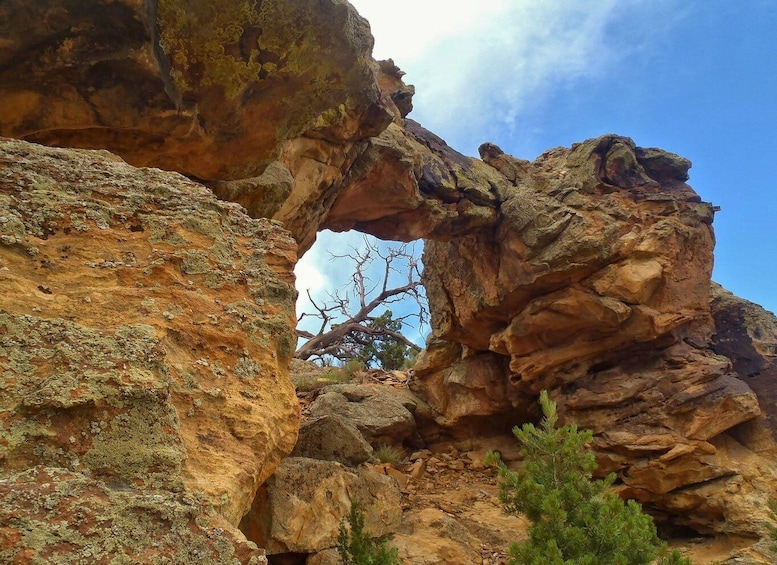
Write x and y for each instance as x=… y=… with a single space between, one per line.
x=146 y=325
x=145 y=329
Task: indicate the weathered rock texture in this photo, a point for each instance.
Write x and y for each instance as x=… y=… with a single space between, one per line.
x=747 y=334
x=332 y=437
x=146 y=312
x=210 y=89
x=379 y=415
x=145 y=334
x=593 y=283
x=51 y=515
x=301 y=507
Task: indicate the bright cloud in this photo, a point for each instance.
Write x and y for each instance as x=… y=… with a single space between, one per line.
x=477 y=66
x=319 y=273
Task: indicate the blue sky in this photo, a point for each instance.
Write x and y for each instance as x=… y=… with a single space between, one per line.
x=698 y=78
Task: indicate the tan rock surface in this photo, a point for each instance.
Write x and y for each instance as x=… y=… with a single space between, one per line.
x=408 y=184
x=593 y=283
x=300 y=508
x=332 y=437
x=747 y=334
x=51 y=515
x=302 y=186
x=378 y=414
x=145 y=329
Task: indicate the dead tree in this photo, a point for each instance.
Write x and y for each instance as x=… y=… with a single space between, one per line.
x=349 y=323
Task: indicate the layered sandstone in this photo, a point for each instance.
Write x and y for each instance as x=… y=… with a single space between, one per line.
x=145 y=334
x=146 y=325
x=746 y=333
x=594 y=285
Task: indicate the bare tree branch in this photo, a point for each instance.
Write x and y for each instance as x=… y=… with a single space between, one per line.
x=342 y=331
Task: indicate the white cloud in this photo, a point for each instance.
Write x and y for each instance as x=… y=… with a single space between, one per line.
x=309 y=278
x=477 y=66
x=317 y=272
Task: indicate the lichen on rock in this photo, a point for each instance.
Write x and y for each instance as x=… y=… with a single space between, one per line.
x=200 y=39
x=50 y=515
x=145 y=343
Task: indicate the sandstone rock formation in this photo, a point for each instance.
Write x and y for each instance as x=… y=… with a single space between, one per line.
x=138 y=309
x=747 y=334
x=299 y=510
x=145 y=334
x=51 y=515
x=378 y=415
x=593 y=284
x=153 y=83
x=332 y=437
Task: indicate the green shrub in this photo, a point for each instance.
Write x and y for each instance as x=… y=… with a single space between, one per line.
x=306 y=385
x=332 y=376
x=353 y=368
x=575 y=520
x=771 y=524
x=335 y=376
x=356 y=547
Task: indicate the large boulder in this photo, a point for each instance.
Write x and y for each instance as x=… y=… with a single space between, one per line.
x=300 y=508
x=145 y=331
x=374 y=410
x=332 y=437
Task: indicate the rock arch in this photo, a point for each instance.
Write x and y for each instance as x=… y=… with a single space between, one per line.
x=585 y=272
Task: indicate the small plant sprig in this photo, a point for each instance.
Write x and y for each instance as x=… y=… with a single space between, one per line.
x=388 y=454
x=356 y=547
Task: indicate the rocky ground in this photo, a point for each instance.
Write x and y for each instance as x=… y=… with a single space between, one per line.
x=450 y=507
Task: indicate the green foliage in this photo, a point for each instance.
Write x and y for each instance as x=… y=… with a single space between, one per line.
x=356 y=547
x=380 y=350
x=575 y=520
x=332 y=376
x=306 y=385
x=771 y=524
x=335 y=376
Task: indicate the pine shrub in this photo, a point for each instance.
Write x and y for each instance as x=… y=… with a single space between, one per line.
x=356 y=547
x=771 y=524
x=575 y=520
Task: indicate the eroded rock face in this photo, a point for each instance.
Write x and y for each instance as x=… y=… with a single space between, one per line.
x=746 y=333
x=379 y=415
x=151 y=82
x=592 y=282
x=332 y=437
x=145 y=331
x=51 y=515
x=408 y=184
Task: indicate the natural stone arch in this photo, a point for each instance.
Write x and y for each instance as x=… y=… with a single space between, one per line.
x=586 y=271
